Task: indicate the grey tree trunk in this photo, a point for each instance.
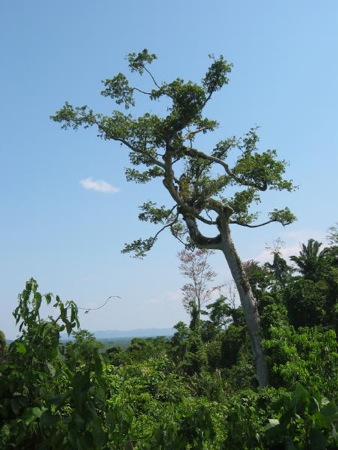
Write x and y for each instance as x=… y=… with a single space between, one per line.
x=224 y=243
x=248 y=303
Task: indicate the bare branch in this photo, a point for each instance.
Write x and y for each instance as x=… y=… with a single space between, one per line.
x=152 y=77
x=192 y=133
x=236 y=222
x=140 y=90
x=99 y=307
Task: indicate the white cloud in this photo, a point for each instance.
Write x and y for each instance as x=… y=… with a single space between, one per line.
x=171 y=297
x=98 y=185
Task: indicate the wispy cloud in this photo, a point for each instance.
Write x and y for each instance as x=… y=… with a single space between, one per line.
x=172 y=297
x=98 y=185
x=291 y=243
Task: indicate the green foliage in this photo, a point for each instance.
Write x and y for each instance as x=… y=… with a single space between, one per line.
x=197 y=390
x=3 y=344
x=188 y=350
x=51 y=397
x=308 y=356
x=311 y=298
x=244 y=422
x=333 y=234
x=195 y=358
x=304 y=421
x=163 y=146
x=233 y=340
x=137 y=62
x=155 y=408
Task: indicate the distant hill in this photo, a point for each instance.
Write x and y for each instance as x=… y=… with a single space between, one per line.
x=112 y=335
x=141 y=333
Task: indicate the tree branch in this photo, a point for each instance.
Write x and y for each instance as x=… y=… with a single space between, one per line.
x=236 y=222
x=194 y=132
x=99 y=307
x=141 y=152
x=152 y=77
x=191 y=152
x=198 y=238
x=140 y=90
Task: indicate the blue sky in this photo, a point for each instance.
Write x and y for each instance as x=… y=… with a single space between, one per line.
x=57 y=228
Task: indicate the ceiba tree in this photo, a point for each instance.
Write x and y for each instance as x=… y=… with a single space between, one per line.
x=209 y=189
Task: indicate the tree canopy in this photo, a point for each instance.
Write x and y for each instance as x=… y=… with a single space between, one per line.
x=203 y=185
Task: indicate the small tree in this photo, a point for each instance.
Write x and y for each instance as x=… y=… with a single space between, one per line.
x=212 y=189
x=194 y=266
x=332 y=235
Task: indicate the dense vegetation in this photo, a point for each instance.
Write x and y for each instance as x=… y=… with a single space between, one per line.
x=196 y=390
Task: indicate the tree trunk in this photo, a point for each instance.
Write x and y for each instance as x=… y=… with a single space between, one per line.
x=224 y=243
x=248 y=303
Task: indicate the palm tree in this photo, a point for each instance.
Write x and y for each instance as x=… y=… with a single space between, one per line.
x=310 y=260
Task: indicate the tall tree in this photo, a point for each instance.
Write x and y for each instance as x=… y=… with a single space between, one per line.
x=212 y=188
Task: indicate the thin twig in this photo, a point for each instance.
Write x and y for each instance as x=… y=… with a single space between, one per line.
x=104 y=304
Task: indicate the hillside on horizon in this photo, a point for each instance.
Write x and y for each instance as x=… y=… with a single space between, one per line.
x=138 y=332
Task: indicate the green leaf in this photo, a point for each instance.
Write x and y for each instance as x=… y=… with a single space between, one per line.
x=48 y=298
x=32 y=414
x=317 y=440
x=51 y=368
x=330 y=411
x=47 y=419
x=290 y=445
x=300 y=398
x=138 y=61
x=21 y=348
x=15 y=405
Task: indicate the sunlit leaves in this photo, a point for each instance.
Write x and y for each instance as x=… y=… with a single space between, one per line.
x=216 y=76
x=240 y=204
x=118 y=89
x=71 y=117
x=116 y=127
x=262 y=170
x=223 y=147
x=27 y=314
x=151 y=213
x=228 y=177
x=188 y=98
x=51 y=395
x=138 y=61
x=139 y=247
x=145 y=176
x=283 y=216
